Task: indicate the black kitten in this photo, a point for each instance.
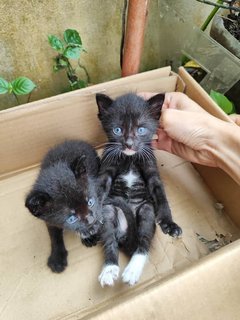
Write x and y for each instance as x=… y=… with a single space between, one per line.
x=129 y=177
x=64 y=196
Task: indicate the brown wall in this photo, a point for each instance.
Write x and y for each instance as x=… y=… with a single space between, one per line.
x=24 y=49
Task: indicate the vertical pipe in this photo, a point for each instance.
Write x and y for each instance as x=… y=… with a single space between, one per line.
x=134 y=39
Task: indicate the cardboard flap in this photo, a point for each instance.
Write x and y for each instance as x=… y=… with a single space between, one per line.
x=33 y=128
x=29 y=290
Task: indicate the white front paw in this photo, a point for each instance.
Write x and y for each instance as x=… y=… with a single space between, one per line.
x=108 y=275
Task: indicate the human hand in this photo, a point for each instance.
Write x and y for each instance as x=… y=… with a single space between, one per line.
x=190 y=132
x=186 y=129
x=235 y=118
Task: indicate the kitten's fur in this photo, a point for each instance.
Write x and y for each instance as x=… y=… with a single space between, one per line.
x=130 y=183
x=66 y=189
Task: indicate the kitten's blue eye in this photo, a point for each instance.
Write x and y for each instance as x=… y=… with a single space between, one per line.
x=117 y=131
x=72 y=219
x=91 y=202
x=141 y=131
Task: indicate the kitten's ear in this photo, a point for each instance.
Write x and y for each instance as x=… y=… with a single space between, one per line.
x=103 y=102
x=155 y=104
x=36 y=201
x=78 y=167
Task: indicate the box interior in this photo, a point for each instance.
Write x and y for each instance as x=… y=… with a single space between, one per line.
x=206 y=214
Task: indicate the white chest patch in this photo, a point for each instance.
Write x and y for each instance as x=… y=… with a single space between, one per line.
x=130 y=178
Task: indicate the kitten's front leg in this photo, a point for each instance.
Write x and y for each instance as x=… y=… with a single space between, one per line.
x=57 y=260
x=162 y=209
x=90 y=241
x=105 y=179
x=110 y=270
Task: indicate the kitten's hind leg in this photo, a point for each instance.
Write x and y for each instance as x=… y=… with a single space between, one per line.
x=57 y=260
x=145 y=231
x=110 y=270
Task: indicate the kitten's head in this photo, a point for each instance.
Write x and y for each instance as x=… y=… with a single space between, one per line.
x=129 y=122
x=66 y=197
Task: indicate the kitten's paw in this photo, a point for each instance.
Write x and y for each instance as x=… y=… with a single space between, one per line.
x=90 y=241
x=170 y=227
x=133 y=270
x=58 y=262
x=108 y=275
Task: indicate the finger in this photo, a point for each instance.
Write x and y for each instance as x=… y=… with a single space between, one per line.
x=163 y=142
x=180 y=101
x=146 y=95
x=177 y=124
x=235 y=118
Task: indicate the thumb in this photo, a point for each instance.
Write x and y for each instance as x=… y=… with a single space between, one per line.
x=188 y=128
x=174 y=123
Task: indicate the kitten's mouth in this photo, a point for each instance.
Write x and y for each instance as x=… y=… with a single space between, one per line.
x=129 y=152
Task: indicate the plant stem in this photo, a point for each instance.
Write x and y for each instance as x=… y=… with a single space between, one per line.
x=70 y=68
x=211 y=15
x=29 y=96
x=16 y=98
x=86 y=72
x=220 y=5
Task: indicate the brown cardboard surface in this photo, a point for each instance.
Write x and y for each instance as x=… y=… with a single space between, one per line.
x=195 y=293
x=177 y=282
x=31 y=291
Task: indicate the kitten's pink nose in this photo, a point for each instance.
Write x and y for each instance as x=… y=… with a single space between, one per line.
x=129 y=143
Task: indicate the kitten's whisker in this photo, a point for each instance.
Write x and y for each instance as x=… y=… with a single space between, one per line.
x=150 y=153
x=147 y=153
x=111 y=154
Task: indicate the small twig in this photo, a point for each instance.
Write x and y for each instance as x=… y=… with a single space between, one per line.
x=226 y=18
x=219 y=5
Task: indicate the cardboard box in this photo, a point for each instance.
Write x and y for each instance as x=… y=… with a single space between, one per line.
x=182 y=279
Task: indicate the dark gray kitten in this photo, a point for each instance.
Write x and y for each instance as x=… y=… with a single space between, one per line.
x=130 y=184
x=65 y=197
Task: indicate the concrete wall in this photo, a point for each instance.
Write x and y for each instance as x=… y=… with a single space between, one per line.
x=24 y=48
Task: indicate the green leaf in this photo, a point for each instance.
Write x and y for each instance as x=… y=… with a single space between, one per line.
x=62 y=63
x=55 y=43
x=59 y=63
x=56 y=68
x=4 y=86
x=82 y=84
x=72 y=52
x=22 y=85
x=226 y=105
x=78 y=85
x=72 y=37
